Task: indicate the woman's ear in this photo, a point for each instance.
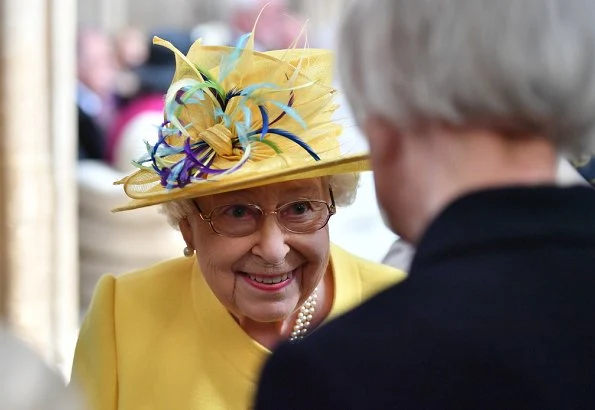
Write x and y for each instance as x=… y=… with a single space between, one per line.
x=385 y=141
x=186 y=230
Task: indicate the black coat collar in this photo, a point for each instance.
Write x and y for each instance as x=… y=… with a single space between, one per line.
x=510 y=218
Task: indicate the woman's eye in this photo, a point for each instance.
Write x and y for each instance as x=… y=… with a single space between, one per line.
x=299 y=208
x=238 y=211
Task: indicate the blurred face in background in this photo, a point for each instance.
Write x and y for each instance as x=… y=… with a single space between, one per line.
x=96 y=65
x=277 y=27
x=132 y=47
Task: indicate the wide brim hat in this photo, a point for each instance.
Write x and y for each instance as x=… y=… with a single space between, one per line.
x=236 y=118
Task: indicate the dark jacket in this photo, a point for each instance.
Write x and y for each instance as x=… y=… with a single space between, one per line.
x=498 y=313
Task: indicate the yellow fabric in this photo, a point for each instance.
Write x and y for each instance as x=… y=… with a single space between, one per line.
x=158 y=339
x=271 y=81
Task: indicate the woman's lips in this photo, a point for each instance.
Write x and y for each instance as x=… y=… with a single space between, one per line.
x=269 y=282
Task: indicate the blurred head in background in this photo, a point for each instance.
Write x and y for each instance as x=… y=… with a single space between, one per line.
x=131 y=47
x=97 y=73
x=139 y=118
x=96 y=61
x=277 y=28
x=460 y=95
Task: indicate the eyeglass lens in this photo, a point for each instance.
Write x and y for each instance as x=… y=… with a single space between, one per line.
x=244 y=219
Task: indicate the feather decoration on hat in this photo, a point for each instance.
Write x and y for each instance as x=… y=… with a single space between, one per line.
x=235 y=118
x=211 y=115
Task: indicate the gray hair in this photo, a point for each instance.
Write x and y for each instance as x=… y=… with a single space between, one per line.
x=344 y=188
x=524 y=64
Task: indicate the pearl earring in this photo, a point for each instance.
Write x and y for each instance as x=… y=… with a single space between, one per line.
x=188 y=252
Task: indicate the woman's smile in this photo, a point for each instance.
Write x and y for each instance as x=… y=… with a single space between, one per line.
x=269 y=282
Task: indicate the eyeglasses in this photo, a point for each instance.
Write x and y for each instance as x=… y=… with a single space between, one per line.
x=303 y=216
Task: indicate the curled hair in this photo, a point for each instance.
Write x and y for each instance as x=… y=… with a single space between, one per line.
x=344 y=190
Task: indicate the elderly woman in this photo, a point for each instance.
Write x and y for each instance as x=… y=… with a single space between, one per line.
x=248 y=166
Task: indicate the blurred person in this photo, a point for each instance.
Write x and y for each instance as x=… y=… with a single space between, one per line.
x=131 y=46
x=138 y=120
x=96 y=103
x=131 y=238
x=249 y=167
x=466 y=105
x=27 y=383
x=278 y=26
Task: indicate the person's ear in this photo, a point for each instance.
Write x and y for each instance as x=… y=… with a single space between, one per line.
x=186 y=230
x=385 y=140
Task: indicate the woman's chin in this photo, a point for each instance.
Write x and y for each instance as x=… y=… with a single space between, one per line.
x=267 y=305
x=261 y=313
x=263 y=316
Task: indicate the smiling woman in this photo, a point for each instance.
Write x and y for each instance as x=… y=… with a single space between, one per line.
x=261 y=267
x=248 y=166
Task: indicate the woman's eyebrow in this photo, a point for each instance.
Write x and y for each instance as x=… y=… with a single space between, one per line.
x=303 y=192
x=233 y=198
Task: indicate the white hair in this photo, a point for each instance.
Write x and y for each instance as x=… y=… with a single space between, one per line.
x=344 y=188
x=524 y=64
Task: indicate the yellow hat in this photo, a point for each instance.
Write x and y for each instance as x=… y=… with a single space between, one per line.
x=236 y=118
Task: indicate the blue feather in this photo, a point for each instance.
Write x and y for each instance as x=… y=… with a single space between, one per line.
x=248 y=91
x=242 y=134
x=289 y=103
x=230 y=61
x=173 y=176
x=291 y=112
x=231 y=94
x=292 y=137
x=247 y=116
x=265 y=121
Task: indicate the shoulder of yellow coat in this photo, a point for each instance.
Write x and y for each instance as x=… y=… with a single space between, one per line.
x=374 y=276
x=156 y=276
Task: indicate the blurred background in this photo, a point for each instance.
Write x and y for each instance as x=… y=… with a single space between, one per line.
x=81 y=88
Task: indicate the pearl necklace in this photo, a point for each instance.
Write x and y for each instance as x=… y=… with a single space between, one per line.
x=304 y=317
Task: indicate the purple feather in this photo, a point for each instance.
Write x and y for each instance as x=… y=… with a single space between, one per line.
x=179 y=94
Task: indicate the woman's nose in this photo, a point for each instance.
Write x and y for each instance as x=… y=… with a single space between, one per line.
x=271 y=243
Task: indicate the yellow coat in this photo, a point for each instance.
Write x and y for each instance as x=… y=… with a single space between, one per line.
x=159 y=338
